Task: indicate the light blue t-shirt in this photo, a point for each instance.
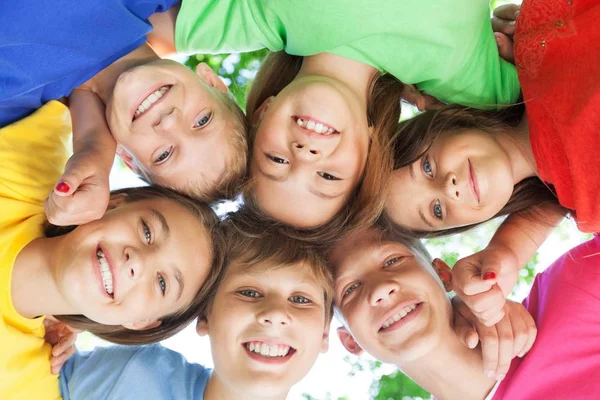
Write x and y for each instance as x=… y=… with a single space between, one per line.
x=132 y=372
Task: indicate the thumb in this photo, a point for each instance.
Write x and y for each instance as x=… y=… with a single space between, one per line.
x=505 y=47
x=67 y=184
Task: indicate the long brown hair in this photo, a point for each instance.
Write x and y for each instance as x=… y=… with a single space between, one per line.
x=415 y=136
x=383 y=113
x=174 y=322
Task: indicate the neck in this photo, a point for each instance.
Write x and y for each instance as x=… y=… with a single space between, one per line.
x=355 y=75
x=104 y=81
x=33 y=285
x=517 y=146
x=451 y=371
x=217 y=389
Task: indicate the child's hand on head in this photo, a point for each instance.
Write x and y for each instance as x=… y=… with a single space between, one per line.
x=81 y=195
x=484 y=279
x=62 y=339
x=503 y=23
x=513 y=336
x=419 y=99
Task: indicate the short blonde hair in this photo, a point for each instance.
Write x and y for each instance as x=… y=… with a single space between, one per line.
x=250 y=244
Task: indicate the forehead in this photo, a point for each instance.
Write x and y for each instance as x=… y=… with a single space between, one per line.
x=277 y=276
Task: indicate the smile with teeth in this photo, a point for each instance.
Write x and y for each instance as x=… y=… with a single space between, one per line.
x=107 y=277
x=315 y=126
x=266 y=350
x=151 y=99
x=398 y=316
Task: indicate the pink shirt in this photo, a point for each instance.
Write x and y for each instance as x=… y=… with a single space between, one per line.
x=564 y=362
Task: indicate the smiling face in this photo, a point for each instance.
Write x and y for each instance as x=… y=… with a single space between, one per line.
x=309 y=151
x=464 y=178
x=266 y=326
x=140 y=262
x=172 y=125
x=390 y=300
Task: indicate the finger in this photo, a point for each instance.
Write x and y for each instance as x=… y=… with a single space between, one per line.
x=465 y=331
x=531 y=335
x=489 y=349
x=505 y=347
x=470 y=283
x=68 y=182
x=520 y=332
x=505 y=47
x=492 y=299
x=65 y=343
x=508 y=12
x=56 y=363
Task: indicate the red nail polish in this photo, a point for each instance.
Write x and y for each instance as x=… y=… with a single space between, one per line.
x=62 y=187
x=489 y=275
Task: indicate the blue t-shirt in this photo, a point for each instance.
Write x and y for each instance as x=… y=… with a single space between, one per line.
x=48 y=48
x=132 y=372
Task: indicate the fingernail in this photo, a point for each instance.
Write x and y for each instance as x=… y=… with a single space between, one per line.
x=489 y=275
x=62 y=187
x=490 y=374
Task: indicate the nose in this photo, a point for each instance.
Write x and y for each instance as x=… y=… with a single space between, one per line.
x=451 y=187
x=273 y=315
x=306 y=151
x=383 y=292
x=169 y=122
x=133 y=264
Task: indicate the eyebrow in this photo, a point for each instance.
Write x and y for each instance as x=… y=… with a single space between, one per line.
x=323 y=195
x=163 y=222
x=179 y=279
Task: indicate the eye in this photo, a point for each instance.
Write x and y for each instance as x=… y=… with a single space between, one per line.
x=250 y=293
x=203 y=121
x=300 y=300
x=162 y=283
x=427 y=166
x=391 y=262
x=328 y=177
x=164 y=156
x=277 y=160
x=147 y=232
x=350 y=289
x=437 y=210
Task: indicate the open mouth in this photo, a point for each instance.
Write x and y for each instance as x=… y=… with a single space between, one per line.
x=149 y=101
x=107 y=277
x=473 y=181
x=315 y=126
x=269 y=353
x=399 y=317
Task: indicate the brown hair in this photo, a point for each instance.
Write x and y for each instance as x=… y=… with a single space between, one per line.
x=231 y=182
x=174 y=322
x=415 y=136
x=250 y=244
x=383 y=112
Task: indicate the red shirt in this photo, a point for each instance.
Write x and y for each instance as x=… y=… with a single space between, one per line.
x=557 y=53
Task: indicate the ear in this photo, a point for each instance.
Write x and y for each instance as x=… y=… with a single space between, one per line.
x=325 y=339
x=348 y=341
x=259 y=114
x=444 y=272
x=126 y=158
x=208 y=75
x=142 y=325
x=202 y=326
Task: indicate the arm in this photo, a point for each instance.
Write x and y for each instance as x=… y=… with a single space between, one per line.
x=81 y=195
x=484 y=279
x=162 y=37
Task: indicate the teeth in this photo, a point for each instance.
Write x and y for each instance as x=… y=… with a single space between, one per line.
x=315 y=126
x=151 y=99
x=268 y=350
x=107 y=277
x=398 y=316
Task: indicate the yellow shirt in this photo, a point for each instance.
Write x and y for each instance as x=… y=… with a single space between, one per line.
x=33 y=153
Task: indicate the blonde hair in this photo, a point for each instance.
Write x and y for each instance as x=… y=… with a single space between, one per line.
x=250 y=244
x=366 y=202
x=176 y=321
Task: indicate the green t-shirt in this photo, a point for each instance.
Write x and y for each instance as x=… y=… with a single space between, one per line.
x=445 y=47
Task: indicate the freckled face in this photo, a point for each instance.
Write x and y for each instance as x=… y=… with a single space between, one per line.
x=157 y=255
x=390 y=300
x=464 y=178
x=171 y=124
x=310 y=151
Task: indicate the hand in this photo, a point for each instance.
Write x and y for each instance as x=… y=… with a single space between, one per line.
x=82 y=193
x=513 y=336
x=62 y=339
x=503 y=23
x=484 y=279
x=422 y=101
